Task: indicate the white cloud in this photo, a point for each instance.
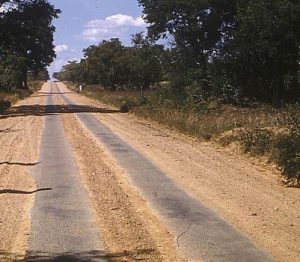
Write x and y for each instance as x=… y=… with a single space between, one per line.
x=61 y=48
x=57 y=65
x=113 y=26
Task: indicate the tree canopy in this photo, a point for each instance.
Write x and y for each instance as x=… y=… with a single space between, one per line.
x=26 y=38
x=233 y=51
x=249 y=45
x=113 y=65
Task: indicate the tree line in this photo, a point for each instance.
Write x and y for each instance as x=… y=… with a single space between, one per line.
x=232 y=50
x=113 y=65
x=26 y=41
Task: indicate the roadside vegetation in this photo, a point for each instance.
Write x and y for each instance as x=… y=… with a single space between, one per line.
x=11 y=96
x=26 y=47
x=230 y=72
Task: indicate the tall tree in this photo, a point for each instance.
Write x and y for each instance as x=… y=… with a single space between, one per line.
x=197 y=26
x=146 y=61
x=265 y=49
x=26 y=31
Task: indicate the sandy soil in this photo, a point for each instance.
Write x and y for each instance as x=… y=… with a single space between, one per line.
x=247 y=195
x=130 y=231
x=20 y=132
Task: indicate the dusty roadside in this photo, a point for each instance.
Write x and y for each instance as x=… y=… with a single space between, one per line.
x=20 y=132
x=130 y=231
x=247 y=195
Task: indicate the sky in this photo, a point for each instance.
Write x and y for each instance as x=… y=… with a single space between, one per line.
x=86 y=22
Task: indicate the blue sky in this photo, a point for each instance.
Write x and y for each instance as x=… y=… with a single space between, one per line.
x=86 y=22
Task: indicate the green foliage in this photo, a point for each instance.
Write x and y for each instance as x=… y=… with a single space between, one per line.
x=265 y=50
x=257 y=141
x=11 y=67
x=287 y=156
x=232 y=49
x=280 y=143
x=4 y=104
x=114 y=66
x=26 y=38
x=281 y=148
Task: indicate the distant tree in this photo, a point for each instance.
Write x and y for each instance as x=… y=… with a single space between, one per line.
x=146 y=61
x=102 y=64
x=43 y=75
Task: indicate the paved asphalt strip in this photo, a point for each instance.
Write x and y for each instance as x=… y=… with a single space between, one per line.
x=200 y=233
x=63 y=227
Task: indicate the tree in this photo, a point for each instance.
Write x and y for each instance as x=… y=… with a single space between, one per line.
x=102 y=64
x=249 y=48
x=26 y=31
x=198 y=27
x=146 y=61
x=265 y=50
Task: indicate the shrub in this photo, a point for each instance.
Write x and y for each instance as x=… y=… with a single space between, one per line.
x=4 y=104
x=281 y=147
x=287 y=156
x=124 y=108
x=258 y=141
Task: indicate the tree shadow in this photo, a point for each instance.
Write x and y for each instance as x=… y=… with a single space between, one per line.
x=18 y=164
x=21 y=192
x=134 y=255
x=43 y=94
x=42 y=110
x=9 y=130
x=56 y=93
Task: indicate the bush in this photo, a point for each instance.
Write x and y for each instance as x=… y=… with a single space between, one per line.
x=124 y=108
x=287 y=156
x=4 y=104
x=281 y=147
x=258 y=141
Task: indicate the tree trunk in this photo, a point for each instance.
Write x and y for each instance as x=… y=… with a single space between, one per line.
x=278 y=94
x=25 y=82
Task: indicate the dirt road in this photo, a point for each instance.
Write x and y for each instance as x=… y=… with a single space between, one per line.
x=247 y=196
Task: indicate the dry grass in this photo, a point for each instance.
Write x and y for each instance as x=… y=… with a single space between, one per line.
x=7 y=98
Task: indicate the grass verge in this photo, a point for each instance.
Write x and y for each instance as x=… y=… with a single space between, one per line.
x=259 y=130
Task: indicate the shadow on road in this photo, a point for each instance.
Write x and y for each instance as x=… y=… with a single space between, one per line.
x=21 y=192
x=134 y=255
x=18 y=164
x=41 y=110
x=42 y=94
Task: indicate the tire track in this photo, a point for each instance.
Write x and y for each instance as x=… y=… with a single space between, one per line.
x=63 y=226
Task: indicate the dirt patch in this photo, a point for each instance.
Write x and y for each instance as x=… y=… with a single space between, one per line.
x=19 y=139
x=249 y=196
x=130 y=231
